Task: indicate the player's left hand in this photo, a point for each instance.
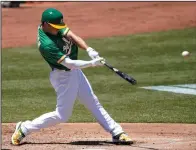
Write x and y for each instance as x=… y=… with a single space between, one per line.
x=93 y=54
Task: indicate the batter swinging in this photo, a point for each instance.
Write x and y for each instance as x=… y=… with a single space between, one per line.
x=59 y=47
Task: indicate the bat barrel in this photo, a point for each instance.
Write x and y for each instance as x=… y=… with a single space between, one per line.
x=121 y=74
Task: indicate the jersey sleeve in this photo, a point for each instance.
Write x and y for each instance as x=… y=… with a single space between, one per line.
x=52 y=54
x=63 y=31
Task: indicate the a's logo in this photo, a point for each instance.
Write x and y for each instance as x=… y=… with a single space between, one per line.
x=61 y=20
x=67 y=46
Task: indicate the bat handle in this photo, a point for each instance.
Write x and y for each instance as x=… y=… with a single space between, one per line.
x=103 y=62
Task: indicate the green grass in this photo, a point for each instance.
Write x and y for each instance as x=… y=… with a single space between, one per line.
x=152 y=58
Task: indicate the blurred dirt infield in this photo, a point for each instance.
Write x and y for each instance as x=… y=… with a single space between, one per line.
x=97 y=19
x=92 y=136
x=101 y=19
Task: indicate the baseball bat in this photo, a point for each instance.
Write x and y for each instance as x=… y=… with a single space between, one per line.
x=120 y=73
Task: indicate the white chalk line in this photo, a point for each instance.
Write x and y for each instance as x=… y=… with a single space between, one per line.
x=182 y=89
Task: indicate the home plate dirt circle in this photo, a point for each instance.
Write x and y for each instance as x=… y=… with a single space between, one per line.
x=152 y=136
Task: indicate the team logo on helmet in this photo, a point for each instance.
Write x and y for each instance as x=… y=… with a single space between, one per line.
x=61 y=20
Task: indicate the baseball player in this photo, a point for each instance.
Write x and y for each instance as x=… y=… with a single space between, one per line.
x=59 y=47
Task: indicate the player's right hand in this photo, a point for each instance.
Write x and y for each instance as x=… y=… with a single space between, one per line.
x=97 y=61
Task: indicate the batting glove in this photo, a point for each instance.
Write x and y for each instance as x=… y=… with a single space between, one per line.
x=97 y=61
x=92 y=53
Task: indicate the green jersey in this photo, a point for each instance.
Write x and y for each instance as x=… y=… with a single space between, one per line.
x=55 y=48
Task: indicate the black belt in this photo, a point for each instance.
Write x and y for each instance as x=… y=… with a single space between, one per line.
x=60 y=69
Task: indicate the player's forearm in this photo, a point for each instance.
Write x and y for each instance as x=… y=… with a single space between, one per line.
x=78 y=40
x=81 y=43
x=76 y=64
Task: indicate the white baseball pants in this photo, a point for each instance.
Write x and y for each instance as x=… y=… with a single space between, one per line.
x=70 y=85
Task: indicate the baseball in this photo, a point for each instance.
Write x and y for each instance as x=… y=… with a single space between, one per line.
x=185 y=53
